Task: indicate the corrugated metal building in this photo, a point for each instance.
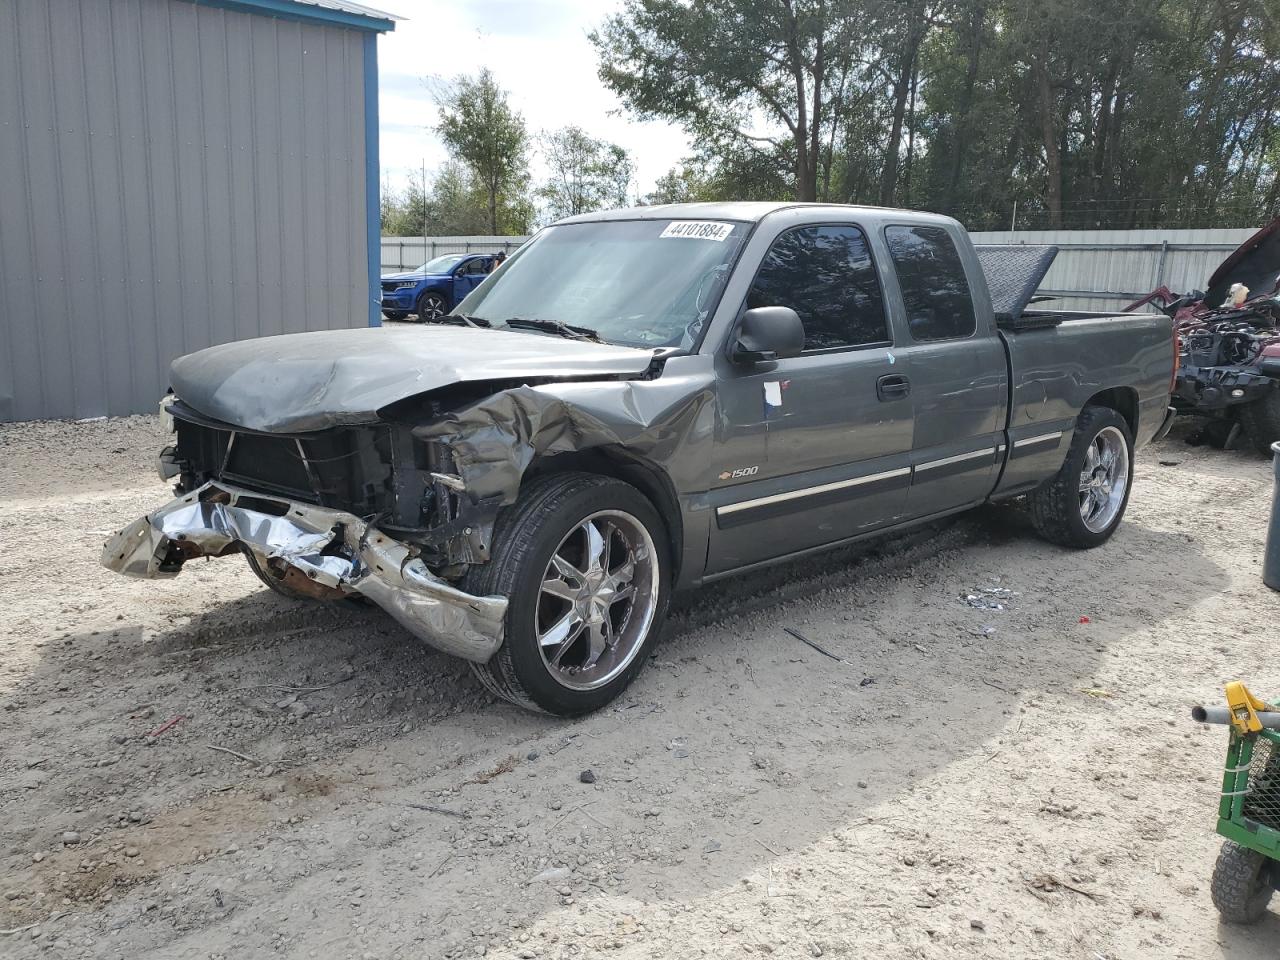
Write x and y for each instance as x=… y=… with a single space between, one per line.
x=159 y=160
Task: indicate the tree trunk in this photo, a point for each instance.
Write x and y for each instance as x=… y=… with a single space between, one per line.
x=1049 y=137
x=963 y=119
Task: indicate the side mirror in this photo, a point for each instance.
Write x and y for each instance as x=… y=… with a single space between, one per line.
x=768 y=333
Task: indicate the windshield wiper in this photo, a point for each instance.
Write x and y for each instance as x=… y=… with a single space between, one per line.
x=558 y=327
x=462 y=320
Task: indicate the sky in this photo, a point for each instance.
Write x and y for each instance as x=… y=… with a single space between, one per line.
x=539 y=52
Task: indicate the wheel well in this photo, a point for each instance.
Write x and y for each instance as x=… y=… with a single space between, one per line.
x=1123 y=400
x=645 y=476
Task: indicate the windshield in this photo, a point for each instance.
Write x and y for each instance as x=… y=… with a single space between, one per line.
x=643 y=283
x=441 y=264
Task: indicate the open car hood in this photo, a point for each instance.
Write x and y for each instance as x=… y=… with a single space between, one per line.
x=1255 y=263
x=312 y=381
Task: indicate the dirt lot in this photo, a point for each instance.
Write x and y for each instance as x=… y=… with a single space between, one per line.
x=973 y=782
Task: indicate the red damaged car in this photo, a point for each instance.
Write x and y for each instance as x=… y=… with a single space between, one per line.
x=1229 y=334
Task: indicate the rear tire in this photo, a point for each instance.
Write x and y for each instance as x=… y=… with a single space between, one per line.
x=584 y=561
x=1061 y=508
x=395 y=314
x=1261 y=420
x=1242 y=884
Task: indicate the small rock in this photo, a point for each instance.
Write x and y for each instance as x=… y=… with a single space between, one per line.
x=135 y=816
x=531 y=755
x=299 y=709
x=711 y=846
x=131 y=851
x=70 y=838
x=12 y=894
x=37 y=856
x=586 y=776
x=555 y=804
x=862 y=784
x=977 y=924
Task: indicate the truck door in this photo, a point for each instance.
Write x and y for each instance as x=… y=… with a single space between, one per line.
x=959 y=378
x=816 y=448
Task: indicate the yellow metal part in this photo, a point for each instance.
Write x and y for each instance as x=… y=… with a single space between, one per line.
x=1244 y=708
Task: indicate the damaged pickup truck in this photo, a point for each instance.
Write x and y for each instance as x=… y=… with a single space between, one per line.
x=640 y=402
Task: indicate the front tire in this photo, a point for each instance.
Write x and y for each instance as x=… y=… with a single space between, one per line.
x=1261 y=420
x=584 y=561
x=1242 y=885
x=431 y=306
x=1084 y=502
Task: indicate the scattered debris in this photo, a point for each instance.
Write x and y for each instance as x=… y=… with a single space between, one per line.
x=240 y=756
x=587 y=776
x=826 y=653
x=1050 y=884
x=169 y=724
x=989 y=598
x=552 y=875
x=432 y=808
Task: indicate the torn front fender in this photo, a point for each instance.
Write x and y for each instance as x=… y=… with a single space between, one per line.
x=332 y=549
x=663 y=421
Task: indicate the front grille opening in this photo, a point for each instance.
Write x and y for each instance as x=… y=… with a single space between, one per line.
x=1262 y=803
x=268 y=460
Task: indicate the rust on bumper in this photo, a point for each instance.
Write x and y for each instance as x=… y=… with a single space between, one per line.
x=333 y=550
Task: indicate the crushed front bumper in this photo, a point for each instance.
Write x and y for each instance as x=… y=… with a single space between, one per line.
x=337 y=552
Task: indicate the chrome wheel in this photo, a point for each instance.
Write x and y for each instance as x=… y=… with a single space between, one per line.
x=597 y=600
x=1104 y=480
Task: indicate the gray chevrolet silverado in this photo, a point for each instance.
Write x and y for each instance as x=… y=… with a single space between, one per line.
x=642 y=401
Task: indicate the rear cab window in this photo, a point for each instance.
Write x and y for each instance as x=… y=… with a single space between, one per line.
x=935 y=289
x=826 y=275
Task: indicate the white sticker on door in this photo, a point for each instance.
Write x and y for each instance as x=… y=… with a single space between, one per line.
x=698 y=230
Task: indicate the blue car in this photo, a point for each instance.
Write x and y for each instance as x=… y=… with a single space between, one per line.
x=435 y=287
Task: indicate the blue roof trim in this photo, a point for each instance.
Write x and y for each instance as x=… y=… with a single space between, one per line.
x=309 y=12
x=372 y=186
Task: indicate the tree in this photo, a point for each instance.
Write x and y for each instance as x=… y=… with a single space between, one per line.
x=482 y=130
x=585 y=173
x=1086 y=113
x=719 y=66
x=686 y=183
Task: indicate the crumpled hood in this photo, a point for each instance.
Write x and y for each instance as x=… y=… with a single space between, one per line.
x=1255 y=263
x=311 y=381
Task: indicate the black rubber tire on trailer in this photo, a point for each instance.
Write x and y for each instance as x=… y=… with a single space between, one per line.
x=1056 y=509
x=1242 y=883
x=551 y=511
x=1261 y=420
x=430 y=307
x=395 y=314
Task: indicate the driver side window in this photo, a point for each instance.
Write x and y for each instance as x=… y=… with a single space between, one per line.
x=824 y=274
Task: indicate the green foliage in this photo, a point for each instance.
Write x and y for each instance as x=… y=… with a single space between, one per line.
x=586 y=174
x=482 y=131
x=1122 y=113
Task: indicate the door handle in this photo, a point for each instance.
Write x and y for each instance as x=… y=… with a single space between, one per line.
x=894 y=386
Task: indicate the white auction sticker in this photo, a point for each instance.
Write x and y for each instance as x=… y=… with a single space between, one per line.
x=698 y=230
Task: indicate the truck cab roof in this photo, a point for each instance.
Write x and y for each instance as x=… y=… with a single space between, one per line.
x=751 y=211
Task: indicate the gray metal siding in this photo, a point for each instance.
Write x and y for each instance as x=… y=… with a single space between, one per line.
x=159 y=162
x=1109 y=269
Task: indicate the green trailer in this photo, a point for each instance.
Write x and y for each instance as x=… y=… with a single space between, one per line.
x=1247 y=872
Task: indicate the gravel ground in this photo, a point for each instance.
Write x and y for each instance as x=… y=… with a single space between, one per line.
x=197 y=768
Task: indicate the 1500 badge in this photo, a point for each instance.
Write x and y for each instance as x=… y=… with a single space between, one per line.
x=739 y=473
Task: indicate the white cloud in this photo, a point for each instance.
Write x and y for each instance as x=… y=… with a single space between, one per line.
x=539 y=52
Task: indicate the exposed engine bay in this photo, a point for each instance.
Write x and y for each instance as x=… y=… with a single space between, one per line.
x=1229 y=345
